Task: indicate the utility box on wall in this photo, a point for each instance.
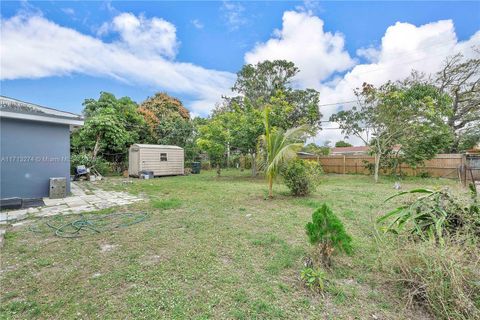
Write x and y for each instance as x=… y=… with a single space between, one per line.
x=58 y=188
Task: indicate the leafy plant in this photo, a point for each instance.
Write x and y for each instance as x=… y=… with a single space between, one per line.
x=314 y=279
x=279 y=147
x=328 y=233
x=301 y=176
x=98 y=163
x=433 y=215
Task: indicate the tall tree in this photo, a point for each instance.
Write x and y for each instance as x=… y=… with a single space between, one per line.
x=269 y=82
x=258 y=83
x=405 y=114
x=167 y=119
x=111 y=126
x=460 y=78
x=213 y=139
x=245 y=125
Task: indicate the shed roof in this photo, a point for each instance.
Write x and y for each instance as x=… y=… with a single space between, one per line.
x=13 y=108
x=156 y=146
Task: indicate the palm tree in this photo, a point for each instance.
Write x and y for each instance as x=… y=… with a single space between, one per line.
x=279 y=147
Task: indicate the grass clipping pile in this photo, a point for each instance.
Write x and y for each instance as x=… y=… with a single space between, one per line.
x=87 y=224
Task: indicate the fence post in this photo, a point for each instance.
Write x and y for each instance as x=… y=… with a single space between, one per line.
x=344 y=163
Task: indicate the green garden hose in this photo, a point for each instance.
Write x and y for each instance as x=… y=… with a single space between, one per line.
x=85 y=225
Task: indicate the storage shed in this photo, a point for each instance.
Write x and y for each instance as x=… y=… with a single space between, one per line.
x=161 y=159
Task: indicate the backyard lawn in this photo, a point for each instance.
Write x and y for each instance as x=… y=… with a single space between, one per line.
x=210 y=248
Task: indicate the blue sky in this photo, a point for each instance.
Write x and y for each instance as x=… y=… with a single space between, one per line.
x=215 y=39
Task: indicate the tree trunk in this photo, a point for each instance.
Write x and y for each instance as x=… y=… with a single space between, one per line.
x=270 y=187
x=96 y=148
x=377 y=166
x=254 y=165
x=218 y=170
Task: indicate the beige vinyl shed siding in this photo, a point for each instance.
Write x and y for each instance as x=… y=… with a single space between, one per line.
x=149 y=159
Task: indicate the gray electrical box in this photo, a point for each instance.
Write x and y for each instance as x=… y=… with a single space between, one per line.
x=58 y=188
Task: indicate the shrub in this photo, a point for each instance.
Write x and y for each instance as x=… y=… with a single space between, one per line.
x=301 y=177
x=205 y=165
x=443 y=279
x=314 y=279
x=424 y=174
x=101 y=165
x=327 y=232
x=434 y=215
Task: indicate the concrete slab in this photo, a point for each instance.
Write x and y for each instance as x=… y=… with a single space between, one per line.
x=80 y=202
x=52 y=202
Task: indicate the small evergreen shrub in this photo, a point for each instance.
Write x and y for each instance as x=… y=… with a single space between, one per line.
x=327 y=232
x=301 y=177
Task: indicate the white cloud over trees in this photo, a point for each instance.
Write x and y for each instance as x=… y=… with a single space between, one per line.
x=326 y=65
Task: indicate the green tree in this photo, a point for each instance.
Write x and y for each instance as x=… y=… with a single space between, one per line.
x=279 y=146
x=469 y=139
x=409 y=114
x=258 y=83
x=328 y=233
x=111 y=126
x=213 y=139
x=168 y=120
x=269 y=82
x=460 y=78
x=342 y=144
x=316 y=149
x=245 y=125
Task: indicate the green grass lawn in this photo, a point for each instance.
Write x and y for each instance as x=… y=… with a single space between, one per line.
x=210 y=248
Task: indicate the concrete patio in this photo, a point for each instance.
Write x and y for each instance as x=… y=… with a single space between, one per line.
x=80 y=201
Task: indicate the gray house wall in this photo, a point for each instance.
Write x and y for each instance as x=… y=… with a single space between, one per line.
x=31 y=152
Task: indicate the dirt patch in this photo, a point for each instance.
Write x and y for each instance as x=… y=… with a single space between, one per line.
x=107 y=247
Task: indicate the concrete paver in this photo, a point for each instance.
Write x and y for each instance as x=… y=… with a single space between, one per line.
x=77 y=203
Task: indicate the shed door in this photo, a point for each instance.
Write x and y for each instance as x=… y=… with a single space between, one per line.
x=133 y=165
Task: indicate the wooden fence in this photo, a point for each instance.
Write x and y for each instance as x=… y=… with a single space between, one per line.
x=443 y=165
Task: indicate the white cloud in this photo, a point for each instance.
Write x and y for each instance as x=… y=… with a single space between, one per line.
x=233 y=14
x=302 y=39
x=34 y=47
x=197 y=24
x=321 y=57
x=145 y=36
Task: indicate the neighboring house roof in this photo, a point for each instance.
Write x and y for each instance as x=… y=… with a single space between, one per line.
x=17 y=109
x=155 y=146
x=350 y=150
x=303 y=153
x=356 y=150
